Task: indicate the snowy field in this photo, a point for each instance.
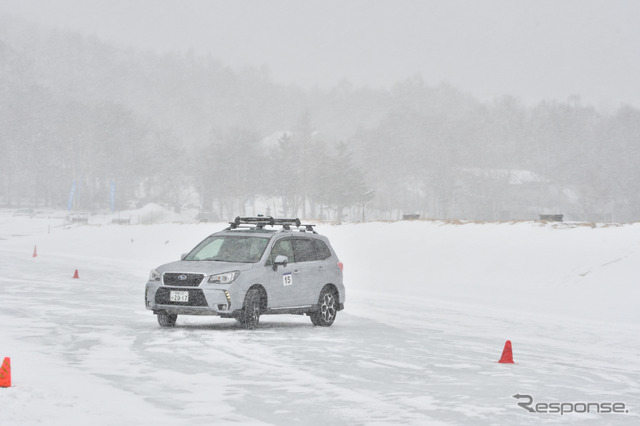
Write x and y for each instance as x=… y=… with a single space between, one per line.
x=429 y=307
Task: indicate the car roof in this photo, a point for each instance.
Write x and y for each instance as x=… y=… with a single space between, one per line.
x=257 y=232
x=265 y=223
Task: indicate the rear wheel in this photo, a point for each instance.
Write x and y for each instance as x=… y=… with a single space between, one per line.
x=250 y=316
x=325 y=315
x=167 y=320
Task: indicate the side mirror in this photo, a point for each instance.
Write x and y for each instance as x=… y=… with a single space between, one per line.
x=183 y=256
x=280 y=260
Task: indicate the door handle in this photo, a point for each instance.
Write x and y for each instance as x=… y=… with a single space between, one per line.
x=296 y=271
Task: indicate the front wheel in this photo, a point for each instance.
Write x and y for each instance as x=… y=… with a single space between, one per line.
x=325 y=315
x=250 y=316
x=167 y=320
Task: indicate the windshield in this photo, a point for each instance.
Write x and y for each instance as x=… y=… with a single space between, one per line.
x=229 y=248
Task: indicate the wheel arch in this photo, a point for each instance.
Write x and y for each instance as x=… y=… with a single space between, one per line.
x=332 y=288
x=263 y=295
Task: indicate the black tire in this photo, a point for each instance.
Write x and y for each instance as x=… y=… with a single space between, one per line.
x=327 y=310
x=250 y=316
x=167 y=320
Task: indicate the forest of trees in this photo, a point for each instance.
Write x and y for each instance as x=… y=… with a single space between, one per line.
x=173 y=128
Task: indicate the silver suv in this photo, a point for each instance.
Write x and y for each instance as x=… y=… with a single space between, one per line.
x=256 y=266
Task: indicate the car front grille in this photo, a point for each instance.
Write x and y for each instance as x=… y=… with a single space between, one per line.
x=182 y=280
x=196 y=297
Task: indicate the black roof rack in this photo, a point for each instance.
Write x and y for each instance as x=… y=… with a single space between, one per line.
x=260 y=222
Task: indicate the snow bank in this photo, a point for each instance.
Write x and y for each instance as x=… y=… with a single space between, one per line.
x=575 y=270
x=567 y=269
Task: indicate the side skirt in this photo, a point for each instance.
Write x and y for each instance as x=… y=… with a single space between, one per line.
x=295 y=310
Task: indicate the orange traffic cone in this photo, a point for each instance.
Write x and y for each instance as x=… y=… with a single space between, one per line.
x=35 y=251
x=75 y=275
x=5 y=373
x=507 y=354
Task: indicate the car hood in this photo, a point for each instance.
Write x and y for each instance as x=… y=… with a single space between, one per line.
x=203 y=267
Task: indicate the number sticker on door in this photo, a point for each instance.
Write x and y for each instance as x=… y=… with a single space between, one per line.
x=287 y=279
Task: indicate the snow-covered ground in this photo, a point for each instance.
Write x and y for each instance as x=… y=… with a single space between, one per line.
x=429 y=308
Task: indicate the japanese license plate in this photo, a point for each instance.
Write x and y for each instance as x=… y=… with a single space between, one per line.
x=179 y=296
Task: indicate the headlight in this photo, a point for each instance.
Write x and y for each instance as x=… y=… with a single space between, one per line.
x=226 y=278
x=154 y=275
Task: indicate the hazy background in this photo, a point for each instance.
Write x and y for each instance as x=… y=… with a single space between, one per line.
x=493 y=110
x=534 y=50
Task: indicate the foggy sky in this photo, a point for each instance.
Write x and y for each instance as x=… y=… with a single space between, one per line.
x=531 y=49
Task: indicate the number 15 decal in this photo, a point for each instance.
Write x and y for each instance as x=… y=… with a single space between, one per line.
x=287 y=279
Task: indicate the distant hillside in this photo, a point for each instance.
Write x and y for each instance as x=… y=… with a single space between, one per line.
x=76 y=109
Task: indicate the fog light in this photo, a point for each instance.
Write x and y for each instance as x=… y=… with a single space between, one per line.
x=222 y=307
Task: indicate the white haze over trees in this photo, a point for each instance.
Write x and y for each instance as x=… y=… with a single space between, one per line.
x=489 y=110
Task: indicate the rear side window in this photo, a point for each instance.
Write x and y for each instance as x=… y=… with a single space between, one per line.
x=304 y=250
x=322 y=250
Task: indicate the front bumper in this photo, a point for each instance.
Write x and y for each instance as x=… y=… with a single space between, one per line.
x=203 y=300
